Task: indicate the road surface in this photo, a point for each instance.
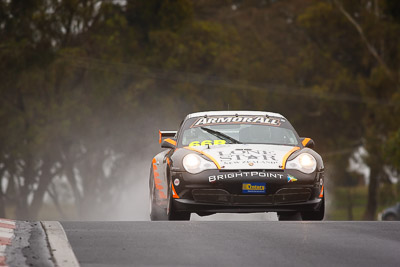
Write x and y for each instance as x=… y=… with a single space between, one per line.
x=199 y=243
x=235 y=243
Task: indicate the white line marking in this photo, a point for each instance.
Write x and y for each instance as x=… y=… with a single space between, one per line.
x=7 y=222
x=6 y=234
x=3 y=250
x=59 y=245
x=6 y=230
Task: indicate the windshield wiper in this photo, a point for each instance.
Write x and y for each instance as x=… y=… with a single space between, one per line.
x=221 y=135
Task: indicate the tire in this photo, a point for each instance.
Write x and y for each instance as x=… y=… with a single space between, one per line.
x=315 y=215
x=289 y=216
x=172 y=215
x=181 y=216
x=390 y=217
x=157 y=213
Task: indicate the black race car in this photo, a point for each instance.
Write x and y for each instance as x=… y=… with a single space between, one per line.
x=236 y=161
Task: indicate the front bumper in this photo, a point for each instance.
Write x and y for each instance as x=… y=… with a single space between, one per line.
x=218 y=191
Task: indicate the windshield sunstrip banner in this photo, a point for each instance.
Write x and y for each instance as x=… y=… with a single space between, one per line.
x=217 y=120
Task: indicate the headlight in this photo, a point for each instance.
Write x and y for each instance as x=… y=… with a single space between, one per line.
x=304 y=162
x=193 y=163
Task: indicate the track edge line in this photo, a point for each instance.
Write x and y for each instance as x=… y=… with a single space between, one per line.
x=59 y=246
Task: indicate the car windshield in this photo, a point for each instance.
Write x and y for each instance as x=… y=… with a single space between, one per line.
x=238 y=133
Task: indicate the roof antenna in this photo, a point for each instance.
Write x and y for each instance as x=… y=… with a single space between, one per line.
x=228 y=107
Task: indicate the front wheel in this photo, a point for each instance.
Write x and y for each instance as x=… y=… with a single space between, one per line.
x=157 y=213
x=179 y=216
x=315 y=215
x=171 y=213
x=289 y=216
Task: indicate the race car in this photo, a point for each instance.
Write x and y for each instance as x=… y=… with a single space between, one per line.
x=236 y=162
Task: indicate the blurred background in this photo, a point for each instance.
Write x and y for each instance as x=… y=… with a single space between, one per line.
x=86 y=85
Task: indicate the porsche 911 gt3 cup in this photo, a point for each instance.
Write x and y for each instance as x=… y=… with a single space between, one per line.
x=236 y=162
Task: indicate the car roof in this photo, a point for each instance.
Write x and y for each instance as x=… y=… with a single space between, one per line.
x=233 y=113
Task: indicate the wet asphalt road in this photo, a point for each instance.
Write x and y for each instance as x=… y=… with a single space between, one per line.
x=235 y=243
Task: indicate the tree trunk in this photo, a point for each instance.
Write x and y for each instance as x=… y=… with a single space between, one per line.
x=69 y=173
x=2 y=204
x=22 y=210
x=53 y=195
x=44 y=181
x=23 y=192
x=350 y=216
x=373 y=187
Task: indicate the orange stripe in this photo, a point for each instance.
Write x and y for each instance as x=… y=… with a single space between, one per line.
x=159 y=187
x=322 y=192
x=305 y=141
x=174 y=195
x=154 y=166
x=205 y=154
x=168 y=162
x=160 y=136
x=157 y=181
x=287 y=155
x=162 y=195
x=169 y=140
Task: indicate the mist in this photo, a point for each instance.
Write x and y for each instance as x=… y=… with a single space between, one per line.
x=82 y=98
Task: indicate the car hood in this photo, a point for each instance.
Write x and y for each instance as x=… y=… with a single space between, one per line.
x=247 y=156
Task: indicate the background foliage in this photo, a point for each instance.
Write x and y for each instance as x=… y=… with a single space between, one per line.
x=85 y=85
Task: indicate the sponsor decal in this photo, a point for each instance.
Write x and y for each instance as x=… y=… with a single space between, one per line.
x=291 y=178
x=254 y=174
x=260 y=120
x=207 y=142
x=247 y=156
x=253 y=188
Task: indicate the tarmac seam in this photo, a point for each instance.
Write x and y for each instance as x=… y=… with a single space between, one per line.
x=59 y=246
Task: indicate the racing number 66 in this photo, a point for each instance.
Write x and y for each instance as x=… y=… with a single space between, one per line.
x=208 y=142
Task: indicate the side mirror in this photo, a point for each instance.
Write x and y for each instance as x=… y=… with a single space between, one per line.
x=308 y=142
x=169 y=143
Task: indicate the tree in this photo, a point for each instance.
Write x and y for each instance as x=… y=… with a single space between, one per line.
x=372 y=67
